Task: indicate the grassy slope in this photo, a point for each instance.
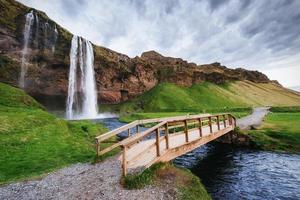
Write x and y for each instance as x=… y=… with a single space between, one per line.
x=169 y=100
x=33 y=141
x=188 y=186
x=280 y=131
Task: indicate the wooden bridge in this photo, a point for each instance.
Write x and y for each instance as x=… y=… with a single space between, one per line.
x=165 y=139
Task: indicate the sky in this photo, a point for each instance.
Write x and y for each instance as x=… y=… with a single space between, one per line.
x=259 y=35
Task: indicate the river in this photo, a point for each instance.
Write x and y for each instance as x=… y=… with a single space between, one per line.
x=237 y=173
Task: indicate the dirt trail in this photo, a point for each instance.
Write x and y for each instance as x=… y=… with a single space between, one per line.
x=83 y=181
x=255 y=119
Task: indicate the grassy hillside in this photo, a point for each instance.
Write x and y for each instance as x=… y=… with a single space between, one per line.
x=280 y=130
x=207 y=97
x=33 y=141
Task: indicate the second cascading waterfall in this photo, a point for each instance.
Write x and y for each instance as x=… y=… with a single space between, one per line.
x=26 y=38
x=82 y=92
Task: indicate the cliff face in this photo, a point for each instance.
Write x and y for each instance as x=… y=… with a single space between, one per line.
x=118 y=76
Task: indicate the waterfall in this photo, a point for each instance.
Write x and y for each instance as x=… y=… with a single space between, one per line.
x=55 y=35
x=37 y=30
x=26 y=37
x=82 y=95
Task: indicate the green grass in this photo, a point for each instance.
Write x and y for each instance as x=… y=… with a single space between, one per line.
x=208 y=97
x=189 y=186
x=280 y=132
x=286 y=109
x=147 y=115
x=168 y=97
x=34 y=142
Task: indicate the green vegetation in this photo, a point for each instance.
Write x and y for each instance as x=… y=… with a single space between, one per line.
x=145 y=115
x=289 y=109
x=238 y=97
x=188 y=185
x=279 y=132
x=209 y=97
x=33 y=142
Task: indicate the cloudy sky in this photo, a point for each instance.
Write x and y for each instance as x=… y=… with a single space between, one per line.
x=260 y=35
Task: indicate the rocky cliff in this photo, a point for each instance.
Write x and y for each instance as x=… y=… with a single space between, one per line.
x=118 y=76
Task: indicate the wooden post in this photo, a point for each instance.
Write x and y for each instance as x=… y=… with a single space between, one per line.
x=157 y=142
x=137 y=129
x=224 y=119
x=167 y=135
x=97 y=147
x=186 y=131
x=200 y=127
x=129 y=132
x=124 y=164
x=230 y=119
x=218 y=122
x=210 y=124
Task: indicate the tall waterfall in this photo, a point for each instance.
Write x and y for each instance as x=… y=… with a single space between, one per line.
x=82 y=92
x=37 y=26
x=26 y=37
x=55 y=34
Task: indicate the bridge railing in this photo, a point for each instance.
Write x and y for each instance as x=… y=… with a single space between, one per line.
x=161 y=130
x=128 y=128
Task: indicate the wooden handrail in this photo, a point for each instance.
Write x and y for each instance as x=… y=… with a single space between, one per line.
x=129 y=141
x=161 y=125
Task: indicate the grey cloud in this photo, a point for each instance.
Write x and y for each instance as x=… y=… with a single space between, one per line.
x=248 y=33
x=215 y=4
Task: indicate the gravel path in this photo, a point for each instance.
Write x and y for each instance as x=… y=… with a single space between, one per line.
x=83 y=181
x=254 y=119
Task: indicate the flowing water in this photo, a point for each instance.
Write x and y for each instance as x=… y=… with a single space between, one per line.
x=233 y=173
x=55 y=35
x=82 y=92
x=237 y=173
x=26 y=38
x=37 y=27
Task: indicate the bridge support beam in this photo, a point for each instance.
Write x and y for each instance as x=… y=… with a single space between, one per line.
x=167 y=135
x=200 y=127
x=124 y=161
x=157 y=142
x=210 y=124
x=129 y=132
x=186 y=131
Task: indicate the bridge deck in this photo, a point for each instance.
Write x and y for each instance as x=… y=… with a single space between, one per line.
x=144 y=152
x=167 y=139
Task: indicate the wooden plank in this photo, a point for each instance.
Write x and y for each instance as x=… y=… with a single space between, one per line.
x=187 y=147
x=157 y=131
x=134 y=158
x=129 y=132
x=218 y=122
x=109 y=148
x=124 y=161
x=200 y=127
x=210 y=124
x=167 y=135
x=116 y=131
x=186 y=131
x=133 y=139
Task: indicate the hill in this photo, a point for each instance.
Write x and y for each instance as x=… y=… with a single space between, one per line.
x=208 y=96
